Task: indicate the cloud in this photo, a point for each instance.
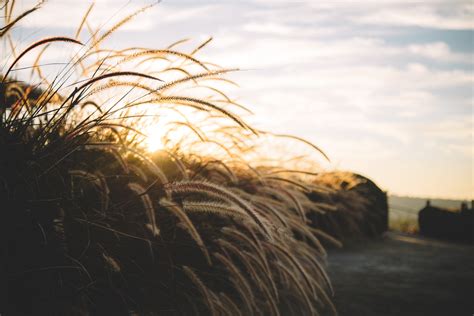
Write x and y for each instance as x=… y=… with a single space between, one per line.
x=440 y=51
x=175 y=15
x=269 y=28
x=56 y=14
x=433 y=14
x=439 y=15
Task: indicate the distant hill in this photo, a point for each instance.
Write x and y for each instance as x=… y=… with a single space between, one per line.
x=403 y=210
x=408 y=204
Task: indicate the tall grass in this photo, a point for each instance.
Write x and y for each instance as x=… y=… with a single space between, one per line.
x=94 y=223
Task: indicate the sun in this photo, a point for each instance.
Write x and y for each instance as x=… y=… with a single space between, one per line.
x=154 y=140
x=154 y=144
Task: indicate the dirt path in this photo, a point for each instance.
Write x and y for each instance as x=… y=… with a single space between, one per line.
x=403 y=275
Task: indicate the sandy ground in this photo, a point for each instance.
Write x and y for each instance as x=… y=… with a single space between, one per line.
x=403 y=275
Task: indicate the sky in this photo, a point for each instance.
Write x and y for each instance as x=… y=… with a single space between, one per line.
x=386 y=88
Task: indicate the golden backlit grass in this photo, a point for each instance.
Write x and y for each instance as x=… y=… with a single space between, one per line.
x=100 y=224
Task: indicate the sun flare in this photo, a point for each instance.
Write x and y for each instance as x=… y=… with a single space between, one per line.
x=154 y=140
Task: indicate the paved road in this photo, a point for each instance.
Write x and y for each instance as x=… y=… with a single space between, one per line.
x=403 y=275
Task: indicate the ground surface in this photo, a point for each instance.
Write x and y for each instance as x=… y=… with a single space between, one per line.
x=403 y=275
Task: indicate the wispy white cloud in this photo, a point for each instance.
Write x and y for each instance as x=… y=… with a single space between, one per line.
x=437 y=15
x=184 y=14
x=67 y=14
x=440 y=51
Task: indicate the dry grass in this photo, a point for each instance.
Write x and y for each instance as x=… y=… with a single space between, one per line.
x=99 y=225
x=405 y=224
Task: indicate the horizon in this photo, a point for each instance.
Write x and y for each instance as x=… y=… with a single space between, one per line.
x=429 y=198
x=385 y=89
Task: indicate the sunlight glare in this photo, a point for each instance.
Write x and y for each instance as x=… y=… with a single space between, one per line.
x=154 y=140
